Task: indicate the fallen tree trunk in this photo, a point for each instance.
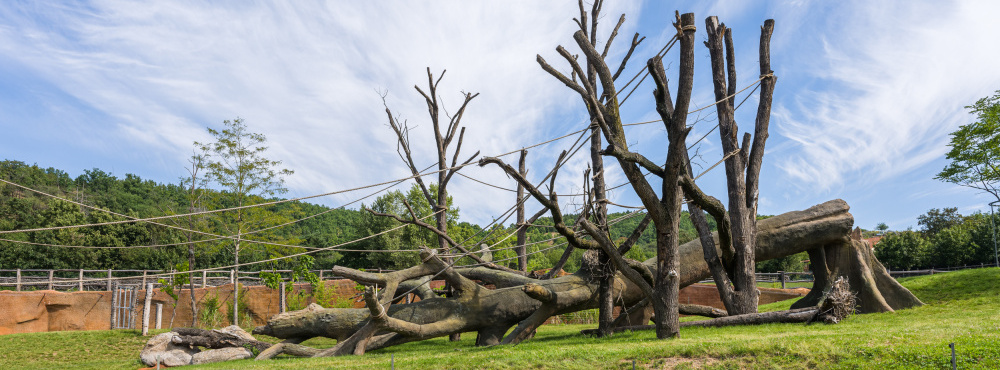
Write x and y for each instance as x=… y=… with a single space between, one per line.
x=790 y=316
x=838 y=303
x=854 y=261
x=492 y=313
x=215 y=339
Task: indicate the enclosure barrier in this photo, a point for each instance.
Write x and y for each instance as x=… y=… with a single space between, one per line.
x=104 y=280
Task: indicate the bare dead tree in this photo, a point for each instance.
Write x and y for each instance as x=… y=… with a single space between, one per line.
x=664 y=209
x=443 y=138
x=522 y=302
x=735 y=274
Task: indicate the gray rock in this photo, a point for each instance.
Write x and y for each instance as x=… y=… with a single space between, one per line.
x=160 y=348
x=236 y=331
x=219 y=355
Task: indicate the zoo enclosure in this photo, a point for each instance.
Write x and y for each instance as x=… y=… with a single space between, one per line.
x=103 y=280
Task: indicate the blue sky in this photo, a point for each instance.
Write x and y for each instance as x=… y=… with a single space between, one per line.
x=867 y=91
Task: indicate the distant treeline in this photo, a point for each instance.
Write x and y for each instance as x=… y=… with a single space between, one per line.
x=945 y=239
x=135 y=197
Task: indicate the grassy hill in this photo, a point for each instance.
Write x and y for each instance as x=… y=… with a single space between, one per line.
x=962 y=307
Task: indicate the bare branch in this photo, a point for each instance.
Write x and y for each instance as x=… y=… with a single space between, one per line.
x=714 y=208
x=605 y=244
x=636 y=40
x=558 y=75
x=763 y=115
x=624 y=155
x=549 y=202
x=607 y=45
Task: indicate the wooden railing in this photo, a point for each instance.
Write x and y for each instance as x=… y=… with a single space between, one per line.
x=103 y=280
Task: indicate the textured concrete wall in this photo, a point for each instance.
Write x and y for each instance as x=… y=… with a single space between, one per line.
x=47 y=310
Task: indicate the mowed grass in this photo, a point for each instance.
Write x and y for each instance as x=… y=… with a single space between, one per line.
x=962 y=308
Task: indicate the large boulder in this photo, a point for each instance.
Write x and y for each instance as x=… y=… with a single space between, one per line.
x=160 y=349
x=219 y=355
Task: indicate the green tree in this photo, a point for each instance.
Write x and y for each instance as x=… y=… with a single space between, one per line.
x=975 y=149
x=407 y=238
x=982 y=230
x=952 y=247
x=902 y=250
x=935 y=220
x=238 y=165
x=195 y=192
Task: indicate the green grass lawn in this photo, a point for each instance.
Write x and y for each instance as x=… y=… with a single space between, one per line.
x=962 y=307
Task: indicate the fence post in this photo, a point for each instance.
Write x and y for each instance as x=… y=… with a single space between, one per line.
x=281 y=298
x=17 y=283
x=143 y=277
x=236 y=296
x=51 y=275
x=954 y=365
x=782 y=275
x=159 y=315
x=80 y=281
x=145 y=309
x=114 y=301
x=320 y=275
x=109 y=279
x=204 y=279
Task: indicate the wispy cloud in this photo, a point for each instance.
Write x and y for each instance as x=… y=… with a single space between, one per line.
x=887 y=84
x=306 y=75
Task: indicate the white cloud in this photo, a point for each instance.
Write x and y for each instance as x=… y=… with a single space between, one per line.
x=306 y=76
x=887 y=86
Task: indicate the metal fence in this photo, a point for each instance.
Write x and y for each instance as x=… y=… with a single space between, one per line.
x=788 y=279
x=104 y=280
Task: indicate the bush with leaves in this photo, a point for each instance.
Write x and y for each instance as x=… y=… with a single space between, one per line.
x=903 y=250
x=172 y=287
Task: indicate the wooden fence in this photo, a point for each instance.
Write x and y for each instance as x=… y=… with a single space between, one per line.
x=103 y=280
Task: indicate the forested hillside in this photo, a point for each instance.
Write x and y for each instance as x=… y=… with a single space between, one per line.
x=143 y=245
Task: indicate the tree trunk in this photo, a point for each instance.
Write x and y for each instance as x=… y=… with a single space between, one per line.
x=214 y=339
x=495 y=311
x=854 y=261
x=522 y=228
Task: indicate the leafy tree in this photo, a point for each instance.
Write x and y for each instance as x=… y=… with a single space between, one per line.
x=902 y=250
x=881 y=227
x=975 y=149
x=237 y=164
x=982 y=232
x=172 y=287
x=407 y=238
x=952 y=247
x=935 y=220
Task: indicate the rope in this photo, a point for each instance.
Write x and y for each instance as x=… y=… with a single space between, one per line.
x=734 y=94
x=215 y=236
x=224 y=209
x=252 y=263
x=717 y=125
x=717 y=163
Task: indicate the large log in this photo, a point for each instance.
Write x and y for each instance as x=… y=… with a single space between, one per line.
x=492 y=313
